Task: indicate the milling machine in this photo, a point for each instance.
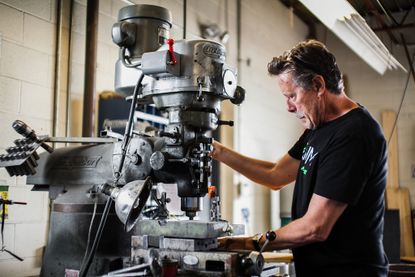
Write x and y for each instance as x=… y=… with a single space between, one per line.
x=186 y=80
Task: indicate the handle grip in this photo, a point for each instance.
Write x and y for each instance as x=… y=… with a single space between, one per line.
x=23 y=129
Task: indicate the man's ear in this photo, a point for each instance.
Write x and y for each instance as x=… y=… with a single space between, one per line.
x=319 y=85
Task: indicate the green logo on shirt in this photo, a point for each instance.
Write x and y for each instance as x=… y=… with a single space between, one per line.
x=308 y=156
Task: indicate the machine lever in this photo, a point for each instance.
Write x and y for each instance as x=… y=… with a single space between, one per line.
x=170 y=42
x=169 y=135
x=225 y=122
x=10 y=202
x=239 y=96
x=23 y=129
x=270 y=236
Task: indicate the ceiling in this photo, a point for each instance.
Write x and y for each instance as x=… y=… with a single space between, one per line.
x=392 y=20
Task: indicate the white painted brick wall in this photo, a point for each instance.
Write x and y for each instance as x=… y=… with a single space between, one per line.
x=15 y=268
x=26 y=64
x=37 y=101
x=78 y=47
x=26 y=47
x=39 y=34
x=79 y=17
x=24 y=244
x=104 y=28
x=39 y=8
x=11 y=23
x=9 y=95
x=105 y=7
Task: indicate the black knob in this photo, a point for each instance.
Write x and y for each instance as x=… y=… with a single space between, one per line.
x=22 y=128
x=225 y=122
x=11 y=150
x=19 y=142
x=169 y=135
x=123 y=34
x=271 y=235
x=239 y=96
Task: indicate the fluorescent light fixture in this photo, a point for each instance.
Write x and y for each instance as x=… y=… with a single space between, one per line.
x=344 y=21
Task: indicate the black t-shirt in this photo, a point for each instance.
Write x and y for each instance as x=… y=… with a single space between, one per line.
x=344 y=160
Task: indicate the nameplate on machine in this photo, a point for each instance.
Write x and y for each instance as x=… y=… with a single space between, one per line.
x=78 y=162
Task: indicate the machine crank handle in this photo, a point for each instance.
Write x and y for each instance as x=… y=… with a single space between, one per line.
x=239 y=96
x=169 y=135
x=23 y=129
x=10 y=202
x=270 y=236
x=226 y=122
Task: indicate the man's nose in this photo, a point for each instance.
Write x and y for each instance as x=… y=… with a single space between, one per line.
x=291 y=107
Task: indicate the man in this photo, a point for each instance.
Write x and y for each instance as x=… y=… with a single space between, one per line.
x=339 y=165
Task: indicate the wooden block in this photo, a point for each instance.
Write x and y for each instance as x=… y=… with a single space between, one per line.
x=398 y=198
x=408 y=259
x=277 y=257
x=388 y=120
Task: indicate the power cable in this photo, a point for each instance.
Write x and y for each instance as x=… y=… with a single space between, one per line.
x=85 y=267
x=90 y=229
x=3 y=203
x=127 y=135
x=402 y=99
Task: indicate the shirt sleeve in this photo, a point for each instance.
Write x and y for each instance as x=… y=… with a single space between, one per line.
x=297 y=150
x=343 y=170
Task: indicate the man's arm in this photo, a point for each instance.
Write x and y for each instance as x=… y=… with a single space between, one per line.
x=314 y=226
x=273 y=175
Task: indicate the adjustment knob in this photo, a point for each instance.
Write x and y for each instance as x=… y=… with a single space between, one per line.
x=123 y=34
x=22 y=128
x=239 y=96
x=157 y=160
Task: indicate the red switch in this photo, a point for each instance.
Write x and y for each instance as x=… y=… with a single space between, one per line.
x=170 y=42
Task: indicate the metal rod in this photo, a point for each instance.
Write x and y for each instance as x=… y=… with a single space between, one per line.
x=92 y=9
x=58 y=54
x=184 y=18
x=405 y=16
x=144 y=273
x=408 y=56
x=128 y=128
x=387 y=13
x=379 y=18
x=128 y=269
x=81 y=140
x=68 y=71
x=399 y=27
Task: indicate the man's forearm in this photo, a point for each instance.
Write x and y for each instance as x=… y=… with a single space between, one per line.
x=257 y=170
x=314 y=226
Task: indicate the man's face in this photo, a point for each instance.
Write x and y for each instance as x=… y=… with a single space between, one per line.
x=304 y=103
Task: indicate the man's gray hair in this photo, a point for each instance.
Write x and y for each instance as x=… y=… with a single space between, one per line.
x=307 y=60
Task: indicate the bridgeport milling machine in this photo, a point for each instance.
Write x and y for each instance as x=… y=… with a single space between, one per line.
x=187 y=80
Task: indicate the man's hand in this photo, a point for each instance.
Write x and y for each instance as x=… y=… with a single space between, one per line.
x=236 y=243
x=217 y=149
